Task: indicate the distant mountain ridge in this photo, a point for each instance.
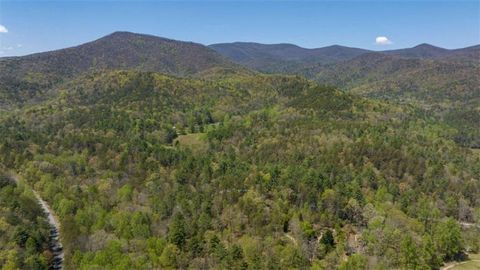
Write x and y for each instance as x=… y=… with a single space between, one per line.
x=285 y=51
x=423 y=50
x=273 y=57
x=425 y=71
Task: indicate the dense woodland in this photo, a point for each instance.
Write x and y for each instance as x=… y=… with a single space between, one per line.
x=242 y=172
x=23 y=228
x=227 y=168
x=445 y=83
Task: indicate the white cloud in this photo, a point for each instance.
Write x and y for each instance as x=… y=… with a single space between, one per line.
x=3 y=29
x=383 y=41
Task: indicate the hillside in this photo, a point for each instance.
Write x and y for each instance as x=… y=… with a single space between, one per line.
x=447 y=86
x=150 y=171
x=426 y=72
x=395 y=77
x=160 y=154
x=27 y=77
x=444 y=82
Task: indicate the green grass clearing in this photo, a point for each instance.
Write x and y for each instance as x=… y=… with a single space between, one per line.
x=195 y=141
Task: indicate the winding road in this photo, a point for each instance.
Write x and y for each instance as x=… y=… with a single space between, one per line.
x=55 y=245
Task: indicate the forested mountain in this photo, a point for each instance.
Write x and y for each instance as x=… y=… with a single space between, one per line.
x=417 y=70
x=445 y=82
x=394 y=77
x=149 y=171
x=234 y=169
x=290 y=58
x=469 y=54
x=429 y=51
x=283 y=58
x=28 y=77
x=448 y=85
x=426 y=72
x=420 y=51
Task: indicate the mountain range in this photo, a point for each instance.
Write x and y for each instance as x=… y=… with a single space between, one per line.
x=438 y=79
x=366 y=71
x=22 y=78
x=154 y=153
x=269 y=57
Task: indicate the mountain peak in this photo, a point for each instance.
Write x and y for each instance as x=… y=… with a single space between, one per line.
x=119 y=33
x=118 y=50
x=423 y=50
x=423 y=45
x=122 y=34
x=126 y=36
x=427 y=46
x=128 y=50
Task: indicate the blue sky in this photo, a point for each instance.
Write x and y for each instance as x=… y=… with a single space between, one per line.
x=46 y=25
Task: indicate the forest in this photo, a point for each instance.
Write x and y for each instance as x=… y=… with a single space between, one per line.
x=233 y=170
x=23 y=228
